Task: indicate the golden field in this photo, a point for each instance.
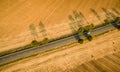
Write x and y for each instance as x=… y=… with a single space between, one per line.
x=16 y=17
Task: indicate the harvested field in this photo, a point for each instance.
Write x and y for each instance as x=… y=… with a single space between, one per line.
x=48 y=18
x=91 y=56
x=109 y=63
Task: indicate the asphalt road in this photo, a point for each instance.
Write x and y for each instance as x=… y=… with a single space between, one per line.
x=58 y=43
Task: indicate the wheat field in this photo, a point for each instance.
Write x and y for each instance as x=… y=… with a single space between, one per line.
x=49 y=18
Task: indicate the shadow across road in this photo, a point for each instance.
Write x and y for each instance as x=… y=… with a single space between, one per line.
x=75 y=22
x=73 y=27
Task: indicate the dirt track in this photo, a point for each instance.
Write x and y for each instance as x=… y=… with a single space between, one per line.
x=16 y=17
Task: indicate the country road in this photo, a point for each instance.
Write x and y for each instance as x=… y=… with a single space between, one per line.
x=58 y=43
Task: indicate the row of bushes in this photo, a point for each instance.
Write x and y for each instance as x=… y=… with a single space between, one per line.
x=89 y=38
x=87 y=29
x=35 y=43
x=81 y=31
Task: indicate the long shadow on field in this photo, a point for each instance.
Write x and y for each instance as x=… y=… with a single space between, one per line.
x=95 y=13
x=83 y=17
x=77 y=18
x=116 y=11
x=112 y=14
x=42 y=29
x=109 y=14
x=106 y=13
x=33 y=31
x=75 y=23
x=72 y=25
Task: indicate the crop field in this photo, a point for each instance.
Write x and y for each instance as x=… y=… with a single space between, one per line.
x=101 y=54
x=110 y=63
x=21 y=21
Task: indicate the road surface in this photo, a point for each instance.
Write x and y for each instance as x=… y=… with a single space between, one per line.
x=58 y=43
